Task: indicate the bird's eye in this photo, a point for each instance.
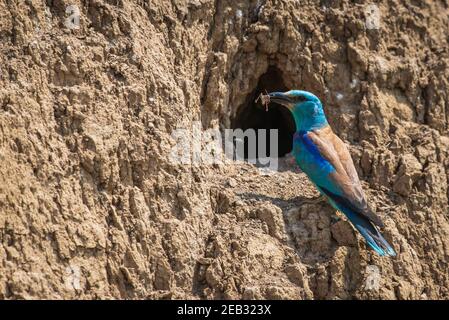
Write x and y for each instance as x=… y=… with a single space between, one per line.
x=300 y=99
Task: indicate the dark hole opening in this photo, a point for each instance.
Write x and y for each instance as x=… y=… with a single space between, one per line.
x=252 y=115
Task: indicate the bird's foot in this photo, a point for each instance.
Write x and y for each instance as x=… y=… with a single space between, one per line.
x=314 y=201
x=335 y=218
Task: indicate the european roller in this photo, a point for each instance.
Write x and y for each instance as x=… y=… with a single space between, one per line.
x=325 y=159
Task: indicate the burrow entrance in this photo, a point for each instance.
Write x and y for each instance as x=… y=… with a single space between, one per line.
x=252 y=115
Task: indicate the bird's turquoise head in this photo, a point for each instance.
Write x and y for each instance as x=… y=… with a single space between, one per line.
x=306 y=108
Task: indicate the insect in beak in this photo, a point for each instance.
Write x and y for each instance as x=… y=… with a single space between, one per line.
x=264 y=99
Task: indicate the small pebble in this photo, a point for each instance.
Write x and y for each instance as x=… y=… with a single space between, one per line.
x=238 y=14
x=232 y=183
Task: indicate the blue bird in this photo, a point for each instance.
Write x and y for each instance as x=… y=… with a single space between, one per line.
x=324 y=157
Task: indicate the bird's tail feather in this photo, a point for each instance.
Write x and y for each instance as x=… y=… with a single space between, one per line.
x=375 y=239
x=367 y=229
x=372 y=236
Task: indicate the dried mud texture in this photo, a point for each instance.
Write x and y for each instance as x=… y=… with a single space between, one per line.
x=91 y=206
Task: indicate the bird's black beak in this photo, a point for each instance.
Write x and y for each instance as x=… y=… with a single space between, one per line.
x=281 y=98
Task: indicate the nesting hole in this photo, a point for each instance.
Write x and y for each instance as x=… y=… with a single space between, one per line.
x=252 y=115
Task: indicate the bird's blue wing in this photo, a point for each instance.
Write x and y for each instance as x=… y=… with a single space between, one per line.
x=324 y=158
x=343 y=180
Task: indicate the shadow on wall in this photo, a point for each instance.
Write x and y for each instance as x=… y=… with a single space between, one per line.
x=252 y=115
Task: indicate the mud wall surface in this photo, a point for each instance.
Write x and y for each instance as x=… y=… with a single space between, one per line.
x=92 y=207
